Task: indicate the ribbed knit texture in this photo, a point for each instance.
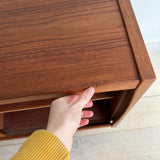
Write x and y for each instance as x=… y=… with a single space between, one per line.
x=42 y=145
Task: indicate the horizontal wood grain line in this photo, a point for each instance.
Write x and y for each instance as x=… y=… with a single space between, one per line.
x=108 y=41
x=6 y=76
x=49 y=17
x=49 y=7
x=50 y=21
x=115 y=86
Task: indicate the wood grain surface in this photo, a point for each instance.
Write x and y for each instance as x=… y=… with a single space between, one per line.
x=55 y=46
x=144 y=66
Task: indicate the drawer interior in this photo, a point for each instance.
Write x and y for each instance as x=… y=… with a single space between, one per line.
x=25 y=122
x=105 y=107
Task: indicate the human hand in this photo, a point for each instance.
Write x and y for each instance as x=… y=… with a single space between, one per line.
x=66 y=113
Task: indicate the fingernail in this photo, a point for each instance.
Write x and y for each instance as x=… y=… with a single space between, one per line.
x=90 y=91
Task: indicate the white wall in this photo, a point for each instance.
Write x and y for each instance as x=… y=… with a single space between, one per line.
x=148 y=16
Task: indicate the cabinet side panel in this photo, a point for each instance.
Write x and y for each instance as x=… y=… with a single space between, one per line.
x=144 y=66
x=140 y=53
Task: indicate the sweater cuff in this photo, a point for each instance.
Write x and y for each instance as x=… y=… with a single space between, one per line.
x=42 y=145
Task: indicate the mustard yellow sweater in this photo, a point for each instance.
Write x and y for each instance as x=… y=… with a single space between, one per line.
x=42 y=145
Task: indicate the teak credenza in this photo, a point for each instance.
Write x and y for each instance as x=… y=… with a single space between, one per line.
x=50 y=49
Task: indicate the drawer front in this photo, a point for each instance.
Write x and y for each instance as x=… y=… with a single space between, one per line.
x=25 y=122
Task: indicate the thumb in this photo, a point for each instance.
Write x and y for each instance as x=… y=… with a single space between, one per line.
x=85 y=97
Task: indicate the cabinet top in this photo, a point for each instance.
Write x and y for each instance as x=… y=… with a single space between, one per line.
x=63 y=45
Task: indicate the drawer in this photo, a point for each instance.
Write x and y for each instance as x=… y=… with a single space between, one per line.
x=54 y=49
x=106 y=107
x=26 y=121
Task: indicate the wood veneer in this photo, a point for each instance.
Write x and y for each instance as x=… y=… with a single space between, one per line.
x=50 y=49
x=58 y=46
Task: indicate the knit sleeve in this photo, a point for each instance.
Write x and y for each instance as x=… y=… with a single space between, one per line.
x=42 y=145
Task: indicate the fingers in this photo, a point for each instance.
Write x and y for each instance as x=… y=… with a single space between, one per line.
x=89 y=104
x=85 y=97
x=83 y=122
x=87 y=114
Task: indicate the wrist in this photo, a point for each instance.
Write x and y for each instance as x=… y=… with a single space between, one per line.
x=65 y=138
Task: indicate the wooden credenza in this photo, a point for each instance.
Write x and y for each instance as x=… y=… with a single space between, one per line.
x=50 y=49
